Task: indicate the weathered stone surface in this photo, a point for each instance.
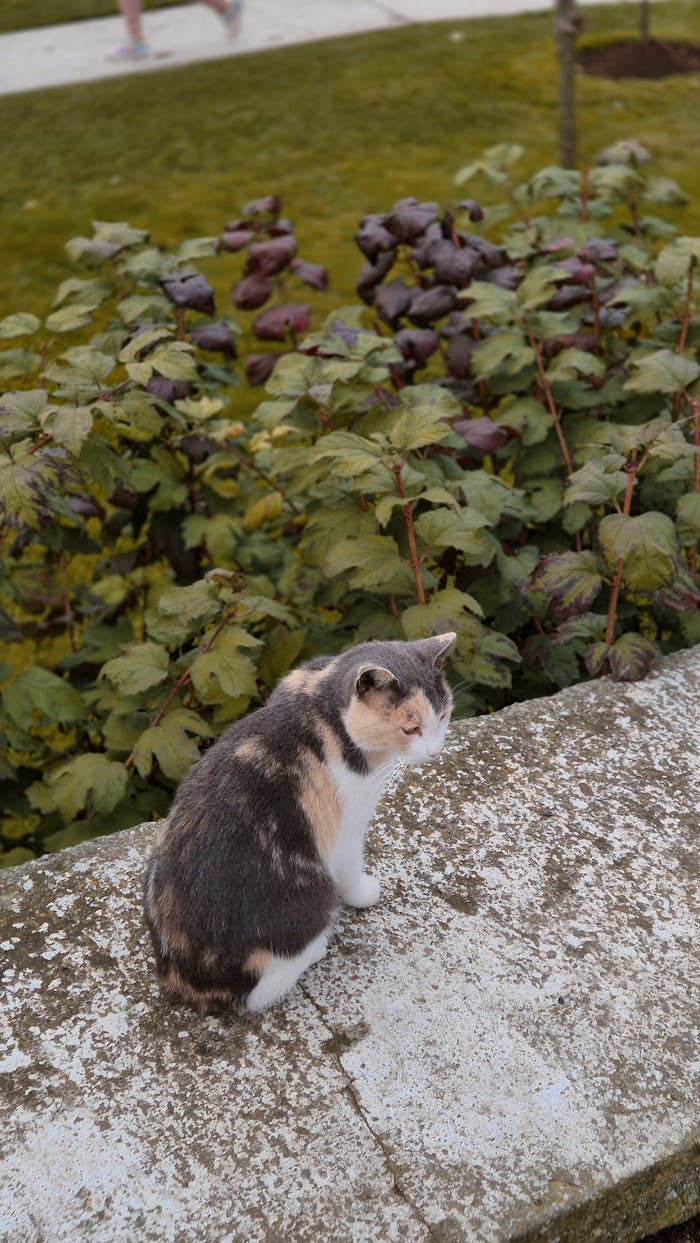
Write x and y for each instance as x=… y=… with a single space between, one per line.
x=506 y=1047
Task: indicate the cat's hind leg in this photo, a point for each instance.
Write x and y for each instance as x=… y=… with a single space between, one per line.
x=281 y=974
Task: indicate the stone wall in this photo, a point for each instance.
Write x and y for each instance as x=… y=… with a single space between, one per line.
x=506 y=1047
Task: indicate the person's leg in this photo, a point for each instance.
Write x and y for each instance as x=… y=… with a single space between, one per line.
x=229 y=11
x=136 y=46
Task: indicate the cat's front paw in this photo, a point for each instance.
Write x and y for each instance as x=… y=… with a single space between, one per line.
x=363 y=891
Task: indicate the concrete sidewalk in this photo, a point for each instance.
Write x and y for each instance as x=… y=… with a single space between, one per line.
x=60 y=55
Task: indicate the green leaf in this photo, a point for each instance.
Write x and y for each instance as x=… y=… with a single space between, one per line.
x=169 y=744
x=89 y=293
x=448 y=609
x=662 y=372
x=376 y=562
x=423 y=407
x=219 y=533
x=69 y=427
x=571 y=579
x=463 y=529
x=18 y=325
x=489 y=301
x=227 y=665
x=29 y=481
x=528 y=417
x=627 y=660
x=674 y=261
x=164 y=472
x=181 y=612
x=504 y=352
x=352 y=455
x=197 y=248
x=39 y=690
x=571 y=363
x=68 y=318
x=144 y=665
x=538 y=286
x=491 y=497
x=688 y=519
x=594 y=484
x=647 y=545
x=15 y=364
x=89 y=781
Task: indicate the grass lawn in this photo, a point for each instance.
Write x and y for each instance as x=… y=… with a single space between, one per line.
x=25 y=14
x=338 y=129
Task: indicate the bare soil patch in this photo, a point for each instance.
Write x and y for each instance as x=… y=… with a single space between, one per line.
x=641 y=58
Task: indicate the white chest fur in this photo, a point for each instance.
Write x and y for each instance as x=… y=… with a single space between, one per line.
x=358 y=797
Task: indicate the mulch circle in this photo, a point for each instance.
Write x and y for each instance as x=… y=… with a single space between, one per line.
x=641 y=58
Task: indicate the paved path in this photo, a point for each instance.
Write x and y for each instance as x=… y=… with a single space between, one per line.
x=58 y=55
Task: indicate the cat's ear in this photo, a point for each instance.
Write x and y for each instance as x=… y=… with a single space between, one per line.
x=373 y=678
x=435 y=650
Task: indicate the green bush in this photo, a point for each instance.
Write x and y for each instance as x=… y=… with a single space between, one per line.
x=506 y=443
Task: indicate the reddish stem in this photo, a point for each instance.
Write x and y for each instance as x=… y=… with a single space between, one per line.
x=184 y=678
x=407 y=510
x=632 y=469
x=548 y=398
x=693 y=552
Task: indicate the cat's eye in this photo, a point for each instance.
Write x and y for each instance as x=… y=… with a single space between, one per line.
x=416 y=730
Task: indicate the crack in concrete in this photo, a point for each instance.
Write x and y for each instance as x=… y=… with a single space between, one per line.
x=353 y=1097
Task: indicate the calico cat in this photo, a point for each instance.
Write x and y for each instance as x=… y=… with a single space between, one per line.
x=265 y=837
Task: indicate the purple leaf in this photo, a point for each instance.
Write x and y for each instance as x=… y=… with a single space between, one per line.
x=372 y=273
x=417 y=343
x=190 y=290
x=459 y=355
x=168 y=390
x=236 y=239
x=422 y=254
x=270 y=205
x=311 y=273
x=373 y=238
x=471 y=206
x=492 y=255
x=269 y=258
x=453 y=265
x=216 y=337
x=409 y=219
x=251 y=292
x=431 y=305
x=599 y=250
x=277 y=322
x=280 y=228
x=392 y=301
x=197 y=448
x=557 y=245
x=505 y=277
x=579 y=273
x=259 y=367
x=567 y=296
x=482 y=434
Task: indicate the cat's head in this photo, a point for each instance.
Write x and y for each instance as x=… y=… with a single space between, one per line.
x=400 y=703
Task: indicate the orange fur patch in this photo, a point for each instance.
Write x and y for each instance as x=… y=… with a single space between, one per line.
x=179 y=989
x=319 y=798
x=376 y=726
x=331 y=747
x=171 y=934
x=257 y=961
x=306 y=681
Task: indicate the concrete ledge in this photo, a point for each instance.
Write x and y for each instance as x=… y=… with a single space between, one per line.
x=505 y=1048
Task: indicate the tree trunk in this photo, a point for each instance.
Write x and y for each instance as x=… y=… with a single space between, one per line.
x=644 y=19
x=567 y=23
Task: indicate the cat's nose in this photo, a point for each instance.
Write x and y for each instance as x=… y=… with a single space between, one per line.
x=433 y=752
